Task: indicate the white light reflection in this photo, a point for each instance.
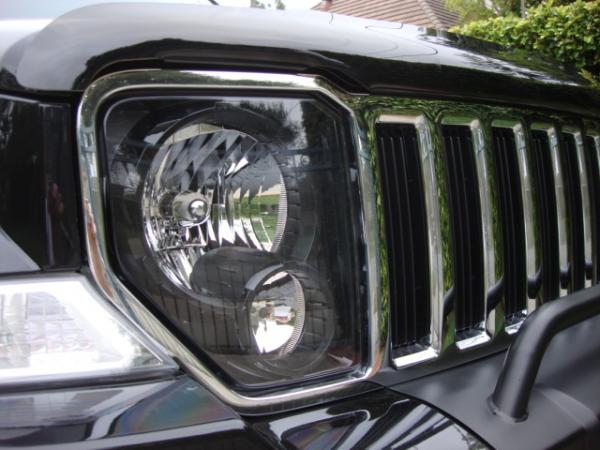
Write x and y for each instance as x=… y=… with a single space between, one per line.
x=58 y=328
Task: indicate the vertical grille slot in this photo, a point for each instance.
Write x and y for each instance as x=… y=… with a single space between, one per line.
x=593 y=158
x=406 y=232
x=587 y=214
x=546 y=198
x=465 y=223
x=511 y=206
x=576 y=274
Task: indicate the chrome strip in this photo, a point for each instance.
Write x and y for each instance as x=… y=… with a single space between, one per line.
x=597 y=149
x=492 y=250
x=473 y=341
x=436 y=260
x=96 y=235
x=585 y=204
x=561 y=206
x=532 y=252
x=412 y=359
x=595 y=234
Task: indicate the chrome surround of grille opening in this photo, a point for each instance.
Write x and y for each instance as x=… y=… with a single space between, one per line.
x=530 y=227
x=491 y=249
x=561 y=199
x=434 y=236
x=593 y=131
x=595 y=135
x=96 y=235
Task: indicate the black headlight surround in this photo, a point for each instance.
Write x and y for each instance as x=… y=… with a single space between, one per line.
x=356 y=279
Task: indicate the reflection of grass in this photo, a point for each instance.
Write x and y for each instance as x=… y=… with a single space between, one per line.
x=270 y=223
x=261 y=209
x=272 y=199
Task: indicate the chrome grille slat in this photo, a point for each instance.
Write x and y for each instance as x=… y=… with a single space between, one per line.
x=593 y=152
x=575 y=208
x=513 y=189
x=493 y=257
x=548 y=280
x=436 y=262
x=561 y=210
x=586 y=203
x=531 y=227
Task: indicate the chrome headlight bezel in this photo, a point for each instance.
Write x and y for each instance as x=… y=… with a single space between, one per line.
x=92 y=195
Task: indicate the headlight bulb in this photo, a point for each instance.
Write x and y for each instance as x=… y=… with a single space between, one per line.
x=210 y=190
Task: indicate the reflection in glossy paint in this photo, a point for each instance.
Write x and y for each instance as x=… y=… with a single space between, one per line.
x=380 y=420
x=95 y=413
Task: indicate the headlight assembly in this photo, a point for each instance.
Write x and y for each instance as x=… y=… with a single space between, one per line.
x=236 y=218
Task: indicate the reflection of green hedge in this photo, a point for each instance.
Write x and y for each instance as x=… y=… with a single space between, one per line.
x=569 y=33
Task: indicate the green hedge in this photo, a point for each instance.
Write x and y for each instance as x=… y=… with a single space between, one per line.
x=569 y=33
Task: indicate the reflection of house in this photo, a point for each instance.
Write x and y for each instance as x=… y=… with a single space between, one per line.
x=428 y=13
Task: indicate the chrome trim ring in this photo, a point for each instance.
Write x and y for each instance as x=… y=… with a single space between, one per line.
x=96 y=235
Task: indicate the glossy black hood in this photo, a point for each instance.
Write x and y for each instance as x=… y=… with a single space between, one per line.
x=359 y=55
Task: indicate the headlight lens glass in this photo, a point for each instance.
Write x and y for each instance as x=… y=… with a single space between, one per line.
x=236 y=218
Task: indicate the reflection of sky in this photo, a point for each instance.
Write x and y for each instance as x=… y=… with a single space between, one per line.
x=36 y=9
x=289 y=4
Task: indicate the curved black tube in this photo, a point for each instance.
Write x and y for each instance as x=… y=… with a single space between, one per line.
x=513 y=389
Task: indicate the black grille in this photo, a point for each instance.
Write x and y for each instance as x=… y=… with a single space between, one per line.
x=546 y=201
x=406 y=232
x=522 y=175
x=465 y=222
x=575 y=278
x=511 y=208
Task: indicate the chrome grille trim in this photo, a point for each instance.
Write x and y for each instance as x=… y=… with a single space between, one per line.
x=530 y=228
x=585 y=203
x=479 y=335
x=424 y=129
x=532 y=238
x=492 y=245
x=481 y=124
x=436 y=280
x=561 y=207
x=364 y=111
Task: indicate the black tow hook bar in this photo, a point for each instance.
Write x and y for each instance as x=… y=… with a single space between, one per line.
x=513 y=389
